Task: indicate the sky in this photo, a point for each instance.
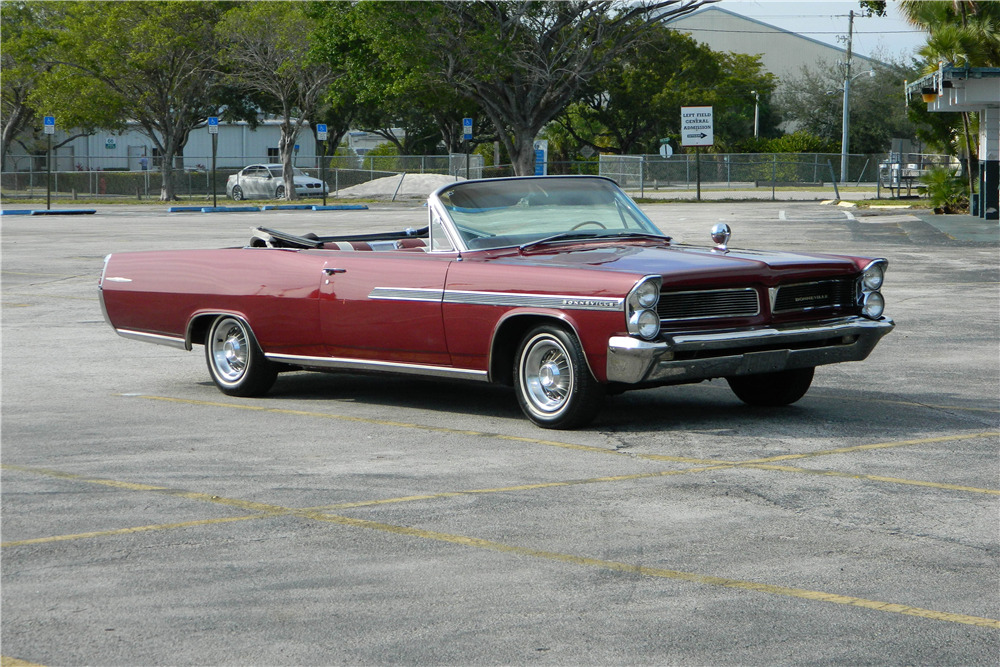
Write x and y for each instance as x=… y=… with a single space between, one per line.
x=884 y=38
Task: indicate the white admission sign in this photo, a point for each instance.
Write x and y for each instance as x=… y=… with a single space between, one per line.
x=697 y=127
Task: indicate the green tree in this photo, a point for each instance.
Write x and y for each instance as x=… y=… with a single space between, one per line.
x=814 y=103
x=392 y=87
x=636 y=100
x=22 y=62
x=151 y=62
x=521 y=62
x=266 y=53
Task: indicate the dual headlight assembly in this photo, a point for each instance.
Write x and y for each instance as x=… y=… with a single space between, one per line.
x=870 y=298
x=640 y=305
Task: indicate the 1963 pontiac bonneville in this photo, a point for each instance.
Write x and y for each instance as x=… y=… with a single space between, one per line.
x=558 y=286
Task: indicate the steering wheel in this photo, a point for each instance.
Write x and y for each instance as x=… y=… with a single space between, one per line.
x=587 y=222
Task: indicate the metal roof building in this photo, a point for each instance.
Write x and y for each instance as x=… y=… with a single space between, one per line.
x=783 y=53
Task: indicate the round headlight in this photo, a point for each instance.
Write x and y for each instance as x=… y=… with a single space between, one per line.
x=647 y=294
x=873 y=276
x=647 y=324
x=873 y=306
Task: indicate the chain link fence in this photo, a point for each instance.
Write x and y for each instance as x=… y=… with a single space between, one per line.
x=342 y=172
x=738 y=171
x=754 y=172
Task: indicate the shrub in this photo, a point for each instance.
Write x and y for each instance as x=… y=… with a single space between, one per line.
x=946 y=190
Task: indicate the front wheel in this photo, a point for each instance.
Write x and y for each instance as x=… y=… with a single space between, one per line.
x=235 y=361
x=772 y=389
x=237 y=193
x=553 y=383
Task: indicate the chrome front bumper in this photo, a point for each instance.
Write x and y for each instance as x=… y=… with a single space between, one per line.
x=686 y=357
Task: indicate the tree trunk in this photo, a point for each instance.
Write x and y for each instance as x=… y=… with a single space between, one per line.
x=286 y=147
x=522 y=152
x=167 y=177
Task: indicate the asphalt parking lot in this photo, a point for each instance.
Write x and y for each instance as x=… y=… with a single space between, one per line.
x=147 y=519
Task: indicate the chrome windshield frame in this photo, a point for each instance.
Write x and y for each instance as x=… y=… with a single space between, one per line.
x=439 y=210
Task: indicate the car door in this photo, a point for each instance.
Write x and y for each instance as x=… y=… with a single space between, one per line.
x=257 y=181
x=385 y=306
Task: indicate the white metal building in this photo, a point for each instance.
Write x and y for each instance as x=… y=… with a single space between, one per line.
x=238 y=145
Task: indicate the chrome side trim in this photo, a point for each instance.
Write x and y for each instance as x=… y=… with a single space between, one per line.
x=507 y=299
x=515 y=299
x=407 y=294
x=159 y=339
x=368 y=365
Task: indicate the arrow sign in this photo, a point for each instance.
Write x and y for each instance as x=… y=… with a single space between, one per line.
x=697 y=126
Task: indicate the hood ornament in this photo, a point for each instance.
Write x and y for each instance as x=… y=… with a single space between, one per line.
x=720 y=234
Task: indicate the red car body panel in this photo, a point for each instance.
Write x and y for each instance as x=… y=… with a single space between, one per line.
x=294 y=307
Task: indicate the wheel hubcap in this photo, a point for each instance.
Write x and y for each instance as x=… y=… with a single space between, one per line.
x=546 y=375
x=229 y=350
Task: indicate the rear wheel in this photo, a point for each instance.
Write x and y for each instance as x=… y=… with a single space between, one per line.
x=235 y=361
x=279 y=192
x=772 y=389
x=237 y=193
x=553 y=383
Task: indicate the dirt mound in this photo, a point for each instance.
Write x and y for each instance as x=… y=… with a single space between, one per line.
x=412 y=185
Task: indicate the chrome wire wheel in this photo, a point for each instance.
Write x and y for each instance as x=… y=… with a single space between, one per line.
x=235 y=361
x=546 y=374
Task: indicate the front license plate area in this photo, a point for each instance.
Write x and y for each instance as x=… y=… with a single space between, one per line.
x=770 y=361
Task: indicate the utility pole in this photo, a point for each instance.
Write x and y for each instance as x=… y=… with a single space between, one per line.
x=846 y=122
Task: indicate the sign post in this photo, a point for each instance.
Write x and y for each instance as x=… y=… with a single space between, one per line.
x=213 y=129
x=697 y=129
x=541 y=147
x=50 y=129
x=321 y=135
x=467 y=136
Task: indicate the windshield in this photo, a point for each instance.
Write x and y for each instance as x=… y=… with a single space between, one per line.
x=513 y=212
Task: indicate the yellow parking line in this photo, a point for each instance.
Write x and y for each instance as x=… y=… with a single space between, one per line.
x=617 y=566
x=874 y=478
x=134 y=529
x=692 y=577
x=877 y=445
x=7 y=661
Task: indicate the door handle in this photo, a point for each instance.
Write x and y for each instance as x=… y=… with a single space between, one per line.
x=331 y=270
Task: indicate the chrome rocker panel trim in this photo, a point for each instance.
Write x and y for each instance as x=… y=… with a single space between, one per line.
x=741 y=352
x=368 y=365
x=159 y=339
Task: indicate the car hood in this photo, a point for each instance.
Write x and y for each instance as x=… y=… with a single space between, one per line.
x=686 y=264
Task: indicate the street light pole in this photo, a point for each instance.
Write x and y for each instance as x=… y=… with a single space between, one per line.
x=756 y=112
x=846 y=124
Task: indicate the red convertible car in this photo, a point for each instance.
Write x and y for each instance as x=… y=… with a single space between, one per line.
x=558 y=286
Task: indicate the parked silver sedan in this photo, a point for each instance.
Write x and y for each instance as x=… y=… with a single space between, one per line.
x=264 y=181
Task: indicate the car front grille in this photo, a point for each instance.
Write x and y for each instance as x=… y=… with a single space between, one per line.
x=709 y=304
x=840 y=293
